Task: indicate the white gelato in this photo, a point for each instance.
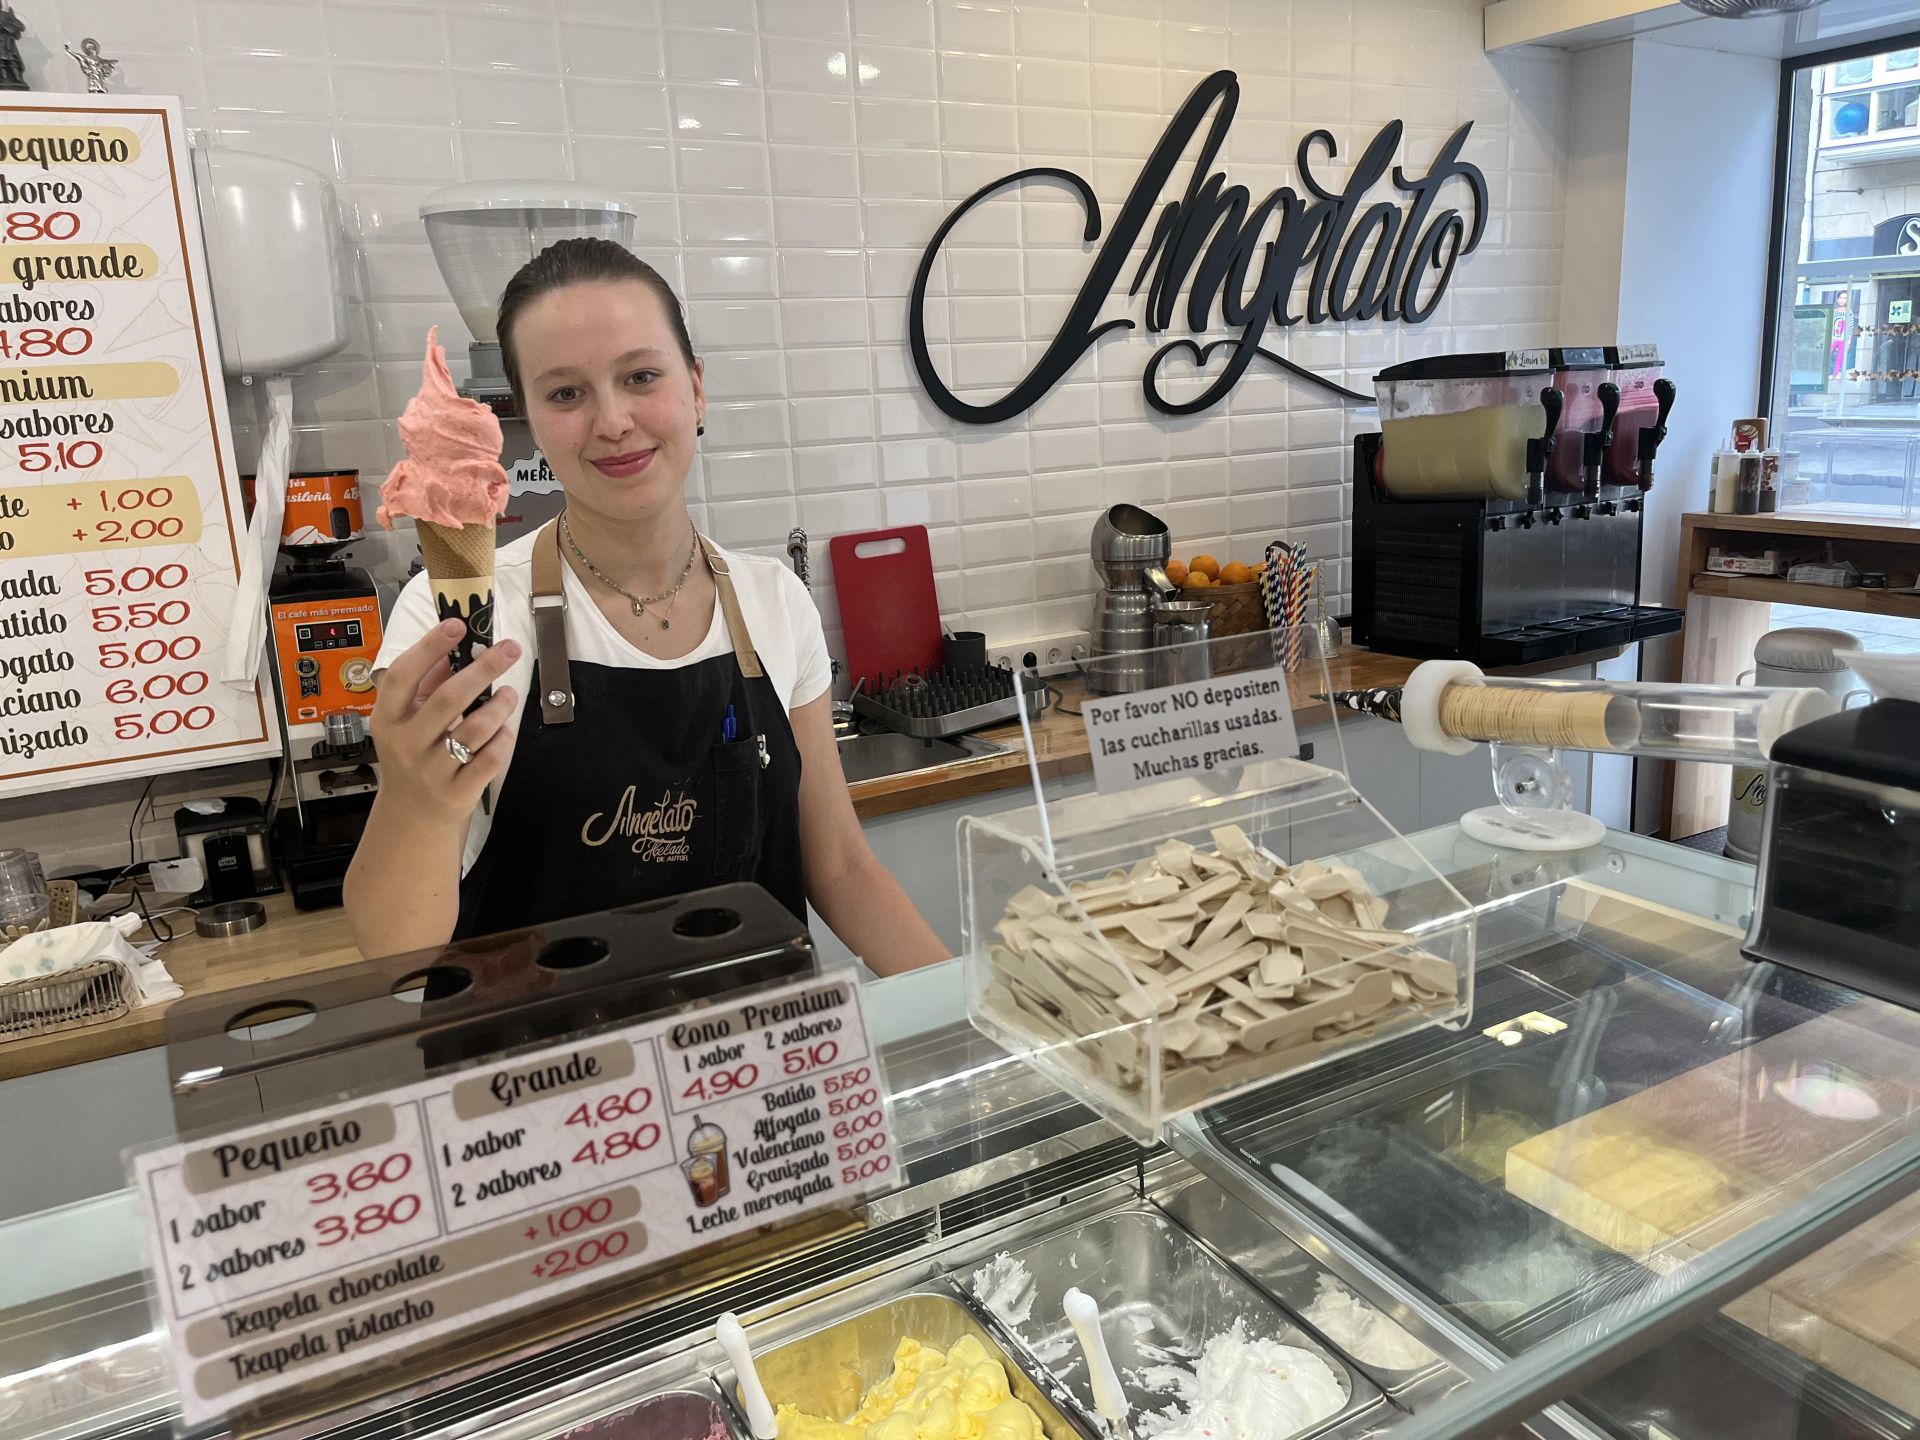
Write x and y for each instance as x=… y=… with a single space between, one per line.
x=1246 y=1390
x=1362 y=1331
x=1005 y=1286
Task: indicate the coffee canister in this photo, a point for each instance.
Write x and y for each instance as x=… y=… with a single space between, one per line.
x=1800 y=657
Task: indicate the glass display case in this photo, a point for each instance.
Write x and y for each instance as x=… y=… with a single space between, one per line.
x=1650 y=1189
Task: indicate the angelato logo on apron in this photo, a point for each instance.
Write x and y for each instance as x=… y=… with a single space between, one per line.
x=659 y=833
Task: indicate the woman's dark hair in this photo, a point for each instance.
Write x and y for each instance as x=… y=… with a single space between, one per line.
x=577 y=262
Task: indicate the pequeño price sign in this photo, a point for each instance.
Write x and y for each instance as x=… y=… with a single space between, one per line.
x=1388 y=260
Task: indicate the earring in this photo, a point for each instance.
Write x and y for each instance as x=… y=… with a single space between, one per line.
x=699 y=429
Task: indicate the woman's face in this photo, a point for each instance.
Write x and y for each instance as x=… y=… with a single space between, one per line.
x=612 y=401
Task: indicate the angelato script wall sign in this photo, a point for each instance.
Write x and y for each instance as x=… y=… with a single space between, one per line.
x=1388 y=260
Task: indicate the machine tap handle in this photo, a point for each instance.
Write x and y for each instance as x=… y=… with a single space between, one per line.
x=1654 y=434
x=1538 y=450
x=1600 y=441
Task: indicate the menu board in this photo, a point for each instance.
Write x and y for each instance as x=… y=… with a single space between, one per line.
x=119 y=509
x=309 y=1245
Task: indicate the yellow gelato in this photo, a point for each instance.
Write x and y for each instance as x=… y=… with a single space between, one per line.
x=959 y=1395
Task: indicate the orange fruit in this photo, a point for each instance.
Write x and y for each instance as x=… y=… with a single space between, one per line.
x=1235 y=574
x=1197 y=580
x=1177 y=571
x=1206 y=565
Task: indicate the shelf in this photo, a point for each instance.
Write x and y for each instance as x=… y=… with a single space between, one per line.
x=1825 y=597
x=1812 y=523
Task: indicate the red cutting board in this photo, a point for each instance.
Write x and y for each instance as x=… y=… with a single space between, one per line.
x=888 y=608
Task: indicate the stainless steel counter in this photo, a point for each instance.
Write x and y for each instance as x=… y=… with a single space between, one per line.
x=1630 y=1096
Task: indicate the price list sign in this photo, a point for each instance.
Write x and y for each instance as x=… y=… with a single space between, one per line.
x=118 y=548
x=302 y=1247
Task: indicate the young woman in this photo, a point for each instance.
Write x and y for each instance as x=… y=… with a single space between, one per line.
x=660 y=718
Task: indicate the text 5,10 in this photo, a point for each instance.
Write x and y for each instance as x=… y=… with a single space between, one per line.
x=40 y=456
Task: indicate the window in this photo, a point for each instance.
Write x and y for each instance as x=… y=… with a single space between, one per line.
x=1843 y=356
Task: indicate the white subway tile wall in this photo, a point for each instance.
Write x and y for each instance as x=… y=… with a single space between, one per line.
x=790 y=159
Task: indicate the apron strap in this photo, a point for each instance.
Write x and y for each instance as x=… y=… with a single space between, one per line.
x=552 y=671
x=551 y=668
x=743 y=651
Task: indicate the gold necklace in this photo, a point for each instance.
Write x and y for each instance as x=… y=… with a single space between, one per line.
x=639 y=603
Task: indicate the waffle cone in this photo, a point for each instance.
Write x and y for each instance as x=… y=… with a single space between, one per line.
x=456 y=551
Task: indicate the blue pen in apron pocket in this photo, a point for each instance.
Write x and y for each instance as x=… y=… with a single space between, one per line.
x=729 y=727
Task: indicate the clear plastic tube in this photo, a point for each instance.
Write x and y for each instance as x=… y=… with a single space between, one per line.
x=1653 y=720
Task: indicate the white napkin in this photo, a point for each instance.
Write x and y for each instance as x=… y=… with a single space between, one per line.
x=1890 y=677
x=49 y=952
x=248 y=632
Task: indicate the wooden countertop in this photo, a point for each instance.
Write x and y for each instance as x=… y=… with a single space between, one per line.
x=1060 y=738
x=294 y=943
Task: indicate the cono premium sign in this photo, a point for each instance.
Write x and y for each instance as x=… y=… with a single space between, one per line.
x=1391 y=259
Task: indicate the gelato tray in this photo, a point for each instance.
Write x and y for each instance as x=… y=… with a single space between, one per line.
x=1382 y=1350
x=1196 y=1345
x=924 y=1359
x=696 y=1412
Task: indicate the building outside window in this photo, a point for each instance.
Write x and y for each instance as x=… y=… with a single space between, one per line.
x=1845 y=375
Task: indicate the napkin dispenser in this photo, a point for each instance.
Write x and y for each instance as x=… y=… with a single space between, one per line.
x=227 y=838
x=1838 y=893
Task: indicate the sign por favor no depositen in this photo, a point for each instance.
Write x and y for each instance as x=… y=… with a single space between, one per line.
x=1388 y=260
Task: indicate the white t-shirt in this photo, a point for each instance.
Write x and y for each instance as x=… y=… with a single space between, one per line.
x=779 y=612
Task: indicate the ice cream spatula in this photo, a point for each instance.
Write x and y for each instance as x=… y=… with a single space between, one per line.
x=1083 y=1313
x=733 y=1340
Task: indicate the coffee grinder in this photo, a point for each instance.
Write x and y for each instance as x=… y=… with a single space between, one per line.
x=326 y=637
x=481 y=233
x=1130 y=549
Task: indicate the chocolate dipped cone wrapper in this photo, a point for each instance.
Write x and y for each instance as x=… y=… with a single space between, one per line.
x=459 y=562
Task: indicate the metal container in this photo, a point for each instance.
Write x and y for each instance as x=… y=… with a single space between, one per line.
x=689 y=1414
x=1180 y=635
x=1162 y=1296
x=827 y=1371
x=1807 y=656
x=1130 y=550
x=1388 y=1356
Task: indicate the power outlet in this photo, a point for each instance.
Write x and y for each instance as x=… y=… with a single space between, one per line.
x=1046 y=654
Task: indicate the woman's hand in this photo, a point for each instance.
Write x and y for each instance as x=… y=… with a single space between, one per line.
x=420 y=704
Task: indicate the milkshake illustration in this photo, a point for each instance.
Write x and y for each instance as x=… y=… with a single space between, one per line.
x=706 y=1163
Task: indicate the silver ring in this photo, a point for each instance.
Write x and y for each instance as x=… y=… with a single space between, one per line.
x=459 y=752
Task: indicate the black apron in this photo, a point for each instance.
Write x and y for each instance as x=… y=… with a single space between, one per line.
x=630 y=785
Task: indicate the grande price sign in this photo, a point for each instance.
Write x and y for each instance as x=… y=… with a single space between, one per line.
x=118 y=508
x=293 y=1250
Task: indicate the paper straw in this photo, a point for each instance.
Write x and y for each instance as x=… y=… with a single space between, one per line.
x=1270 y=583
x=1294 y=601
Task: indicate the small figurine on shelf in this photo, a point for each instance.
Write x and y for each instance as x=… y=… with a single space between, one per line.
x=13 y=70
x=95 y=66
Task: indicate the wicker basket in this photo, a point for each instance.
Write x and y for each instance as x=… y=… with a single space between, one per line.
x=1237 y=610
x=85 y=995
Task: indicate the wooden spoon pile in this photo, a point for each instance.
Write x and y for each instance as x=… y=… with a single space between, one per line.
x=1252 y=967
